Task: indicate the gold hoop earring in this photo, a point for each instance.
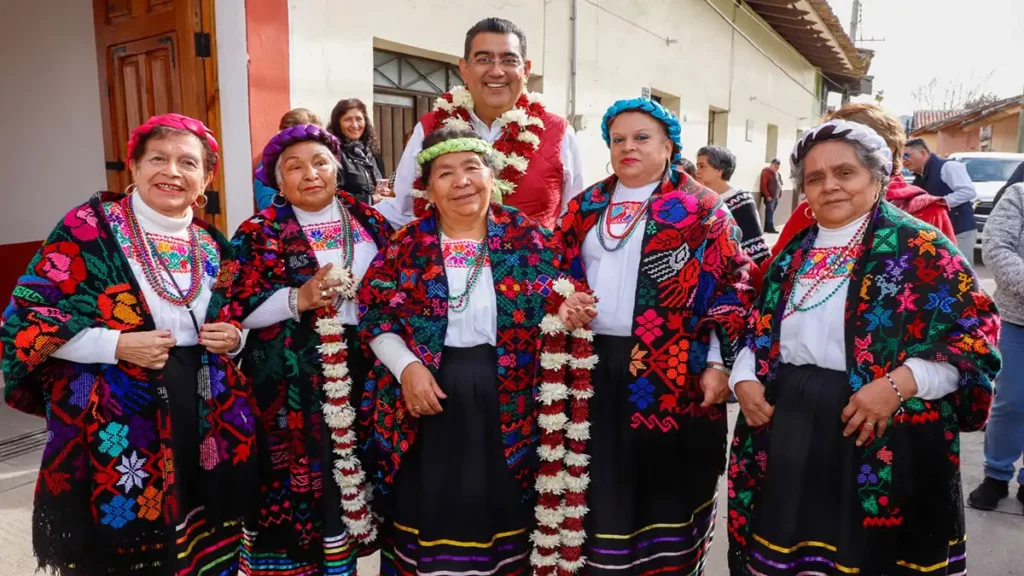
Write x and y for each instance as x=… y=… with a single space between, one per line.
x=608 y=169
x=284 y=201
x=205 y=201
x=131 y=189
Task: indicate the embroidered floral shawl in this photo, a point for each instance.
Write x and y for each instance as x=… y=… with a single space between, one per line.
x=912 y=294
x=284 y=367
x=405 y=292
x=693 y=278
x=105 y=493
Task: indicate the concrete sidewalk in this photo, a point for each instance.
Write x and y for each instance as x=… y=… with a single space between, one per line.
x=995 y=543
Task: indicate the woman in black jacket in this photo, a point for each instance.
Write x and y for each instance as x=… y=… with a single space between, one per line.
x=362 y=164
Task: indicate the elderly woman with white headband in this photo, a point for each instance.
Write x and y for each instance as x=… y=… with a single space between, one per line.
x=871 y=346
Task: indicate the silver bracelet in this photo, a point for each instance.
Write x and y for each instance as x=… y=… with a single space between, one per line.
x=293 y=302
x=720 y=368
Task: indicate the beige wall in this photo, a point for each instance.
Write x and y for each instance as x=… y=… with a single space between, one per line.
x=1004 y=134
x=703 y=66
x=51 y=103
x=954 y=139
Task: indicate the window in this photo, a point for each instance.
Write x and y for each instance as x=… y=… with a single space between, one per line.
x=718 y=126
x=392 y=71
x=989 y=169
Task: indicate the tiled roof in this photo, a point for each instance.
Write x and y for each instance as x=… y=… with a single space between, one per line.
x=923 y=118
x=965 y=117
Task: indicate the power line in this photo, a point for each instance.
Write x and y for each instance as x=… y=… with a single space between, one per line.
x=630 y=22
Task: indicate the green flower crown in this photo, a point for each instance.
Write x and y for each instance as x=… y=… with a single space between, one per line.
x=454 y=145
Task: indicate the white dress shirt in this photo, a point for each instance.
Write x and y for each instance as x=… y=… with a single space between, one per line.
x=613 y=275
x=399 y=210
x=99 y=345
x=955 y=175
x=817 y=337
x=476 y=325
x=323 y=231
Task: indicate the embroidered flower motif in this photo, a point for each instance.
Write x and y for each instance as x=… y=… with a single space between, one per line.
x=82 y=223
x=678 y=355
x=141 y=431
x=81 y=389
x=119 y=308
x=132 y=473
x=62 y=263
x=150 y=504
x=240 y=416
x=115 y=439
x=648 y=326
x=118 y=512
x=642 y=393
x=866 y=476
x=510 y=287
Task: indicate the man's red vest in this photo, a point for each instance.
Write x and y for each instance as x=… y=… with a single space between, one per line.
x=539 y=193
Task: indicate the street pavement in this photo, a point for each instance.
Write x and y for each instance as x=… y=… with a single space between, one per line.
x=995 y=539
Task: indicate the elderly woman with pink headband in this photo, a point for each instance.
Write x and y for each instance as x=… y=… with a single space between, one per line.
x=150 y=453
x=292 y=284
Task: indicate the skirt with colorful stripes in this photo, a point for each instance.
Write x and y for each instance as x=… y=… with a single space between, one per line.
x=652 y=509
x=456 y=508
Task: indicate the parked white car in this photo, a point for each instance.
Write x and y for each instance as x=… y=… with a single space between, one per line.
x=989 y=171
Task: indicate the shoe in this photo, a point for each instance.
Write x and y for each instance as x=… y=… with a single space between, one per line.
x=771 y=231
x=1020 y=493
x=989 y=493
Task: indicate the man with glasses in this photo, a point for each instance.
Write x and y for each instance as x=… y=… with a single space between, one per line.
x=539 y=161
x=948 y=179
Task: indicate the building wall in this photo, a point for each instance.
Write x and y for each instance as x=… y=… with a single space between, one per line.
x=1004 y=134
x=955 y=139
x=932 y=140
x=681 y=48
x=50 y=110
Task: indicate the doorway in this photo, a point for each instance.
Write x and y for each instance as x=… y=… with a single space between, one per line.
x=156 y=57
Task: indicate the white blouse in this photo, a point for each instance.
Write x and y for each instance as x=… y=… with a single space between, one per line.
x=170 y=238
x=613 y=275
x=323 y=230
x=817 y=336
x=476 y=325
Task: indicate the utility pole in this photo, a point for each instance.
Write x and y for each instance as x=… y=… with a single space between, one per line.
x=855 y=21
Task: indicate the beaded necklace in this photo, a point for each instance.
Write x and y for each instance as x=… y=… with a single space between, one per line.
x=348 y=242
x=604 y=227
x=144 y=253
x=848 y=251
x=459 y=302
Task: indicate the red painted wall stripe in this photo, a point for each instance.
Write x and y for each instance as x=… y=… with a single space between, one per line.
x=267 y=38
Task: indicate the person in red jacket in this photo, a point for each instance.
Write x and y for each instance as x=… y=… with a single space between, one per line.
x=909 y=198
x=771 y=189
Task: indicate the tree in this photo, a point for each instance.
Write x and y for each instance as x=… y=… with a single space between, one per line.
x=955 y=94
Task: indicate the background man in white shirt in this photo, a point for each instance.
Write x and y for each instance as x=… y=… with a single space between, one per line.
x=948 y=179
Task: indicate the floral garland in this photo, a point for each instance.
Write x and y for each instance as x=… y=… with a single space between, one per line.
x=564 y=421
x=340 y=415
x=521 y=130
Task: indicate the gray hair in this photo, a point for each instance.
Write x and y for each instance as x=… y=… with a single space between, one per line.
x=320 y=148
x=878 y=165
x=720 y=159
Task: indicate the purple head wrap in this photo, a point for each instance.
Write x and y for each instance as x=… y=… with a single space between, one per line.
x=285 y=138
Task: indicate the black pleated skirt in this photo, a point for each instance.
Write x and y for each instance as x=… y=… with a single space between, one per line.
x=809 y=518
x=651 y=509
x=456 y=507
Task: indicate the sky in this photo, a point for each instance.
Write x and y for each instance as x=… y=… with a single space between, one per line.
x=977 y=41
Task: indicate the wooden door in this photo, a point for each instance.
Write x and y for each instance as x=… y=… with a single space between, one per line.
x=156 y=57
x=394 y=119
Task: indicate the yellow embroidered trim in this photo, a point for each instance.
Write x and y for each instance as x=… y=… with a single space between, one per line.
x=656 y=526
x=456 y=542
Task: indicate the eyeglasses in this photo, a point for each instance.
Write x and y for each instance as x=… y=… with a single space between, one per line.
x=506 y=63
x=906 y=156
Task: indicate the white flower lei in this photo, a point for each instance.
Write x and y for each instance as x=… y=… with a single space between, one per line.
x=340 y=415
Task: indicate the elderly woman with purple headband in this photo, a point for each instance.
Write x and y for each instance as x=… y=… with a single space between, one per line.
x=292 y=284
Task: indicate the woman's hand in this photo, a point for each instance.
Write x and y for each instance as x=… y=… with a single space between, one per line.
x=578 y=310
x=420 y=390
x=382 y=190
x=715 y=385
x=219 y=337
x=757 y=410
x=871 y=407
x=318 y=291
x=146 y=349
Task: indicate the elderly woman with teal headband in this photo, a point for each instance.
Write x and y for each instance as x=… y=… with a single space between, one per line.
x=672 y=287
x=464 y=401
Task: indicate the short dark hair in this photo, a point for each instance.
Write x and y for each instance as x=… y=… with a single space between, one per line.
x=443 y=135
x=918 y=143
x=720 y=159
x=687 y=166
x=495 y=26
x=776 y=161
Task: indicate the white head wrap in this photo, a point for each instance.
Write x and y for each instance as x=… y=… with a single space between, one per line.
x=843 y=130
